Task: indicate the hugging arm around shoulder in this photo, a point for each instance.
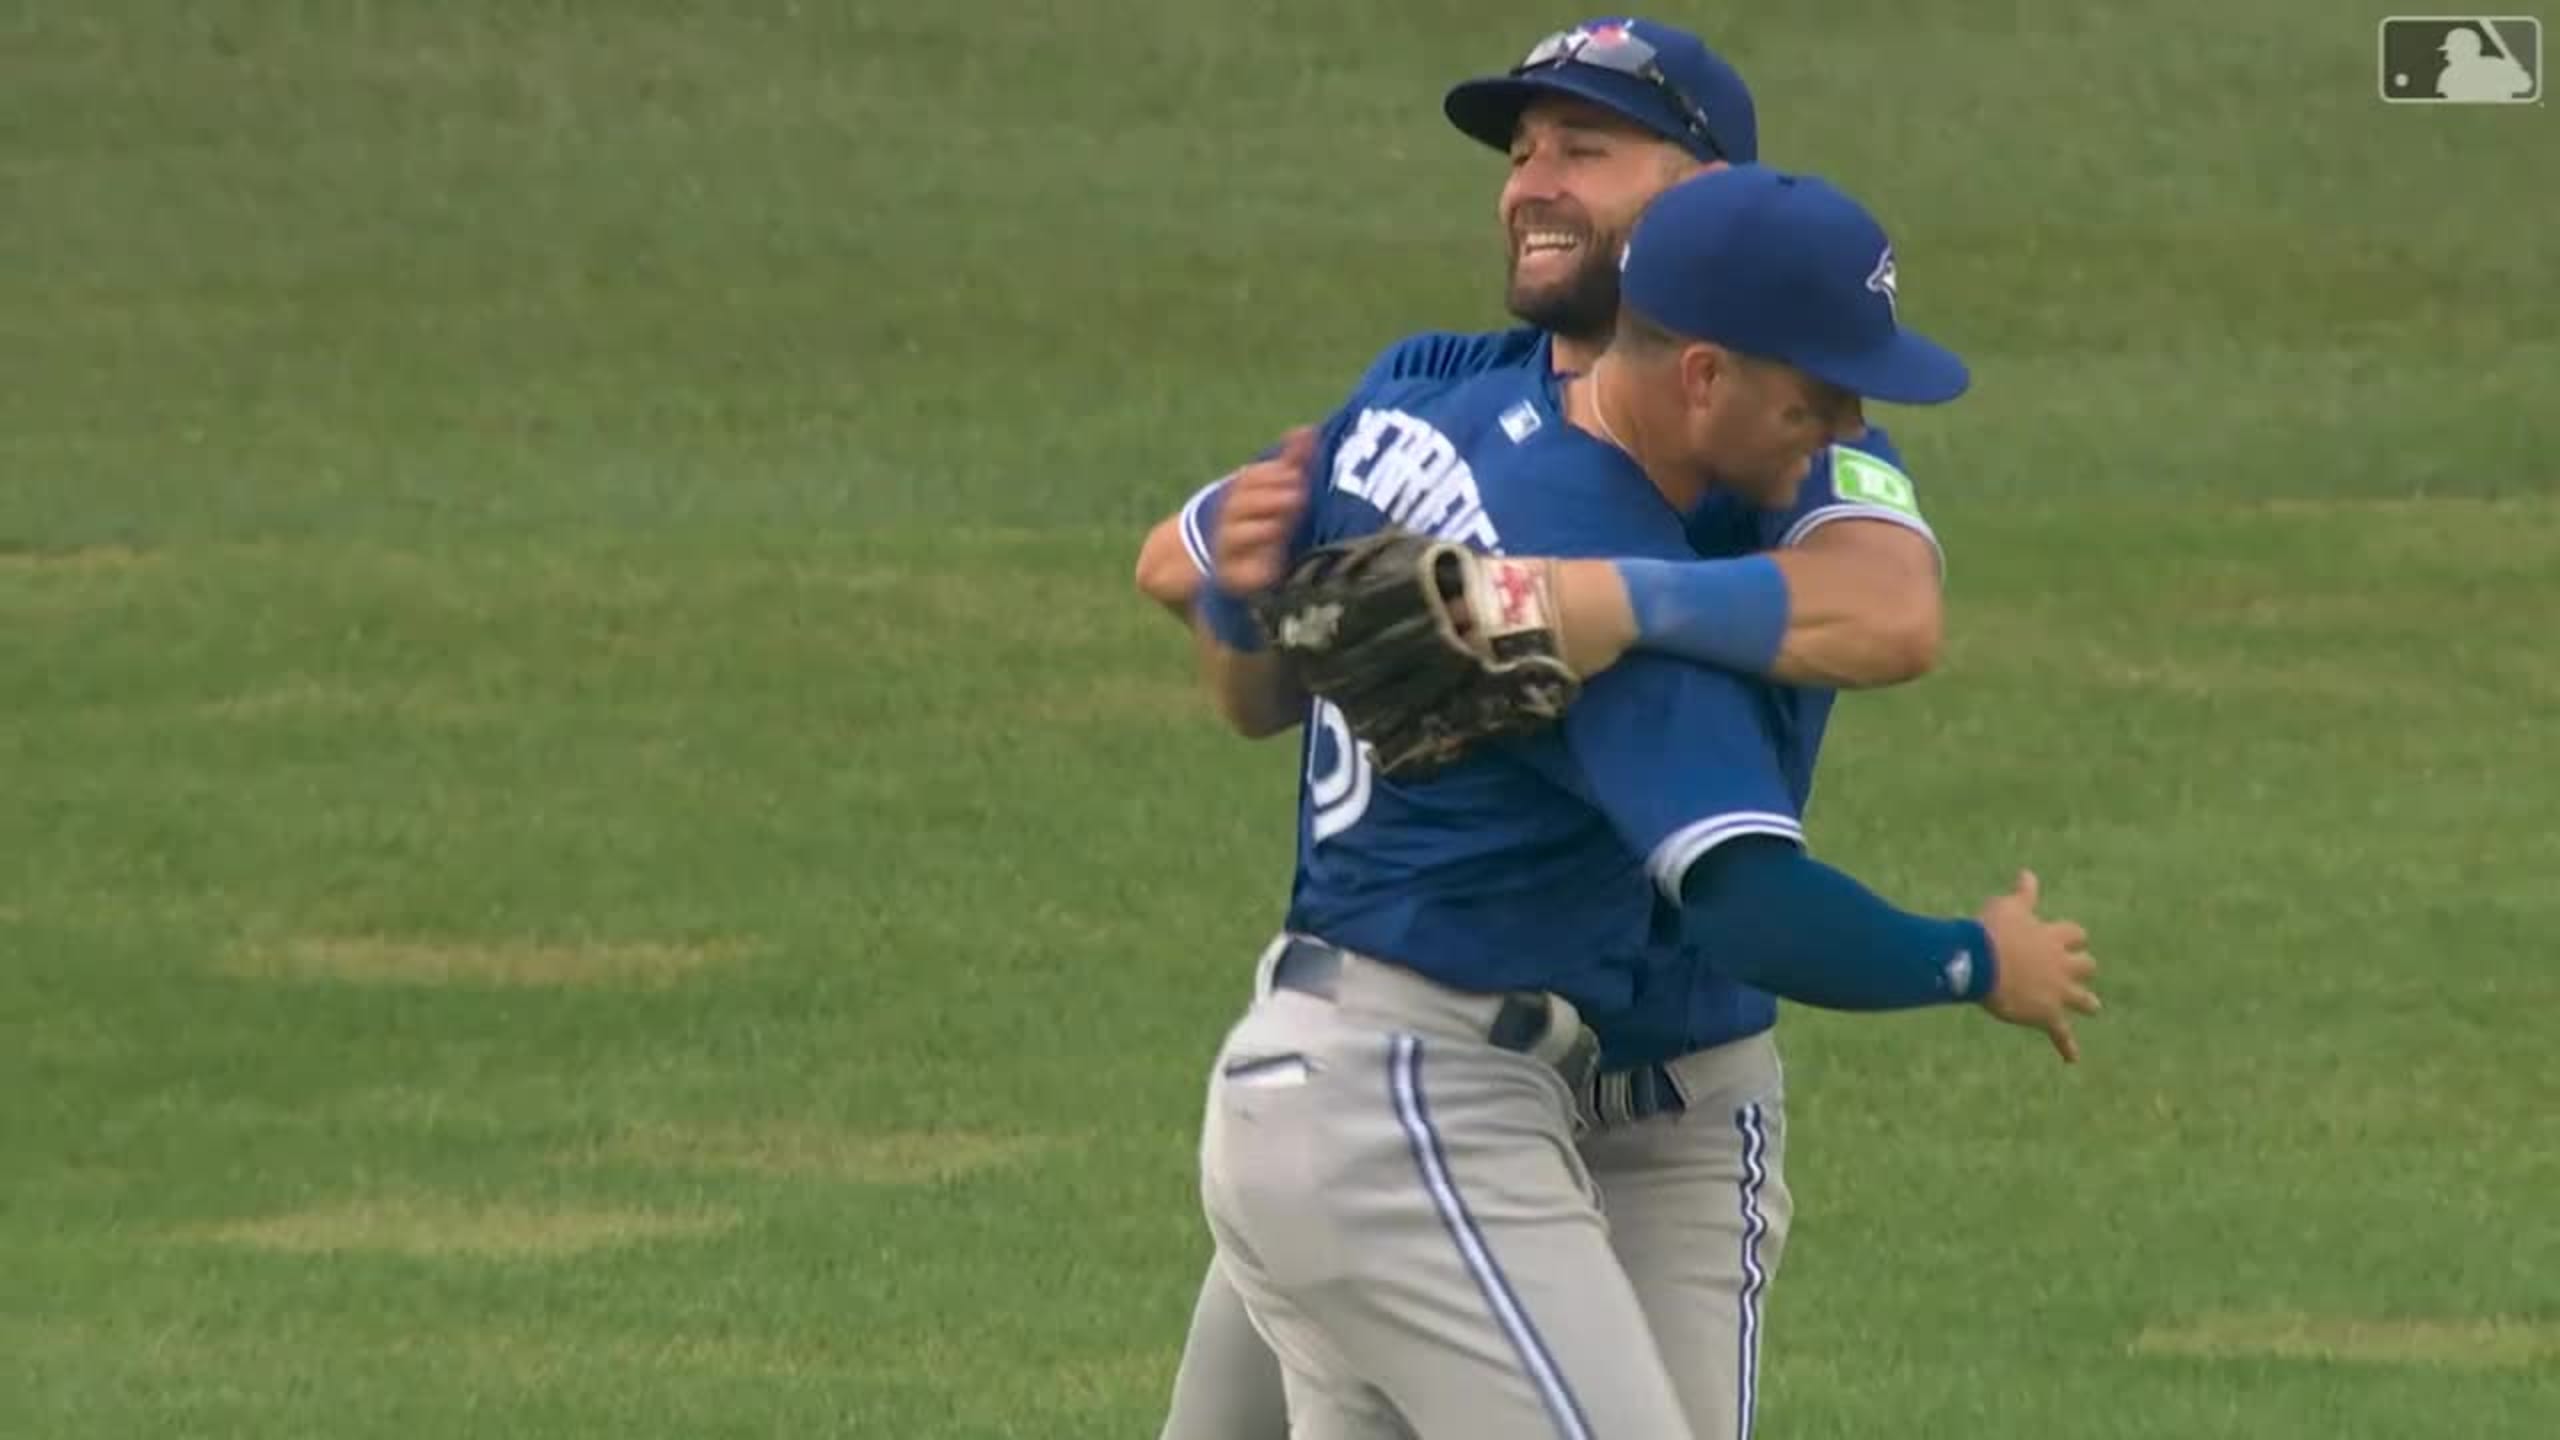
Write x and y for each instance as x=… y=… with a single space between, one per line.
x=1840 y=590
x=1854 y=607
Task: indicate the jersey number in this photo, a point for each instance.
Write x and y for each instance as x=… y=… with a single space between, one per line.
x=1337 y=782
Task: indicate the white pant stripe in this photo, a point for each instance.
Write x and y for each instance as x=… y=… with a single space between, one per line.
x=1404 y=1084
x=1755 y=1279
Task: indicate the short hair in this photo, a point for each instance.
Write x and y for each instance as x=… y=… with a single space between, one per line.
x=1642 y=338
x=1638 y=334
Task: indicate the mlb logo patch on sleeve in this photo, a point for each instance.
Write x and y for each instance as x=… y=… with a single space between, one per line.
x=2461 y=60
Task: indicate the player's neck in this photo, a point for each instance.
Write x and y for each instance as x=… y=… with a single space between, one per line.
x=1601 y=407
x=1570 y=356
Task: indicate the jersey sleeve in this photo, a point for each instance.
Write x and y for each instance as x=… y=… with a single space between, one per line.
x=1199 y=515
x=1680 y=759
x=1199 y=520
x=1861 y=481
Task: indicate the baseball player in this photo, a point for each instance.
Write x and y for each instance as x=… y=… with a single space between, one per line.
x=1388 y=1159
x=1686 y=1131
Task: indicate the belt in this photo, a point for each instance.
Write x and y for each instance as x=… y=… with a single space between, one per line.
x=1622 y=1097
x=1312 y=967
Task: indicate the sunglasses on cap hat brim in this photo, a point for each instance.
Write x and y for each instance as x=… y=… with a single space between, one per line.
x=1620 y=50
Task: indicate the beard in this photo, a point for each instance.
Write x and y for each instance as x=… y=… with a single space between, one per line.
x=1581 y=306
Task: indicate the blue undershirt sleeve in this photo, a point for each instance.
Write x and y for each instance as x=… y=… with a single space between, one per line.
x=1772 y=917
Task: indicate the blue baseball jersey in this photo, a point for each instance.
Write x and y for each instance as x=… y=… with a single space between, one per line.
x=1540 y=863
x=1431 y=355
x=1627 y=1000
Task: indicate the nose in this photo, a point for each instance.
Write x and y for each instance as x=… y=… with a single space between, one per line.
x=1535 y=175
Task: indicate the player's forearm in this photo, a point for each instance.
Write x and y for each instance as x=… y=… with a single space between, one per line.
x=1166 y=572
x=1251 y=690
x=1764 y=913
x=1251 y=687
x=1857 y=618
x=1798 y=618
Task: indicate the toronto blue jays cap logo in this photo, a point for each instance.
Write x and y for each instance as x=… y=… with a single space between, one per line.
x=1885 y=282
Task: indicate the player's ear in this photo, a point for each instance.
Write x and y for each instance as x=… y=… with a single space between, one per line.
x=1702 y=368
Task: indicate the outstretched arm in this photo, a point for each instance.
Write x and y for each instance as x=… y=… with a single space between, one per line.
x=1767 y=914
x=1680 y=759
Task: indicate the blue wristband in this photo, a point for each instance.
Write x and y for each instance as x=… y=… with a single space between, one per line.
x=1227 y=618
x=1731 y=614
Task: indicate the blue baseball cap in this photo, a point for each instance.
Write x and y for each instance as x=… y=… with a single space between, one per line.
x=1788 y=268
x=1663 y=79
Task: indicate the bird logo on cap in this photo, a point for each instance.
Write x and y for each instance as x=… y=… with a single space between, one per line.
x=1884 y=281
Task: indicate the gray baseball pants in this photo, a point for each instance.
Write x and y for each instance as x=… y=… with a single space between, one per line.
x=1409 y=1210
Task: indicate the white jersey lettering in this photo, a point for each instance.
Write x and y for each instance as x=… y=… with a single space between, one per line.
x=1415 y=477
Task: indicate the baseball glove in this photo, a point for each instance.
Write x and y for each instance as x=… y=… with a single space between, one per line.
x=1429 y=648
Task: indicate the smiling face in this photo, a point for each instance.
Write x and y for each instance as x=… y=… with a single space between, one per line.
x=1580 y=175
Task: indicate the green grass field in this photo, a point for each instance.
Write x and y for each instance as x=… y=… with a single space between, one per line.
x=598 y=845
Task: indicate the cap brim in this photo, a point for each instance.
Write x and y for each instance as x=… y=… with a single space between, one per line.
x=1488 y=108
x=1909 y=369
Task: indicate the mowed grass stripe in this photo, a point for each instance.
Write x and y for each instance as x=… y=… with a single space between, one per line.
x=2485 y=1344
x=379 y=960
x=422 y=1226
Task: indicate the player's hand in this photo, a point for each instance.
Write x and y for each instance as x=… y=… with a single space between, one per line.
x=1258 y=515
x=2044 y=966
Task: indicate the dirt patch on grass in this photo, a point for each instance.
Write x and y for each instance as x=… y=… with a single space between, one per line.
x=2447 y=1344
x=201 y=1345
x=893 y=1157
x=417 y=1226
x=388 y=960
